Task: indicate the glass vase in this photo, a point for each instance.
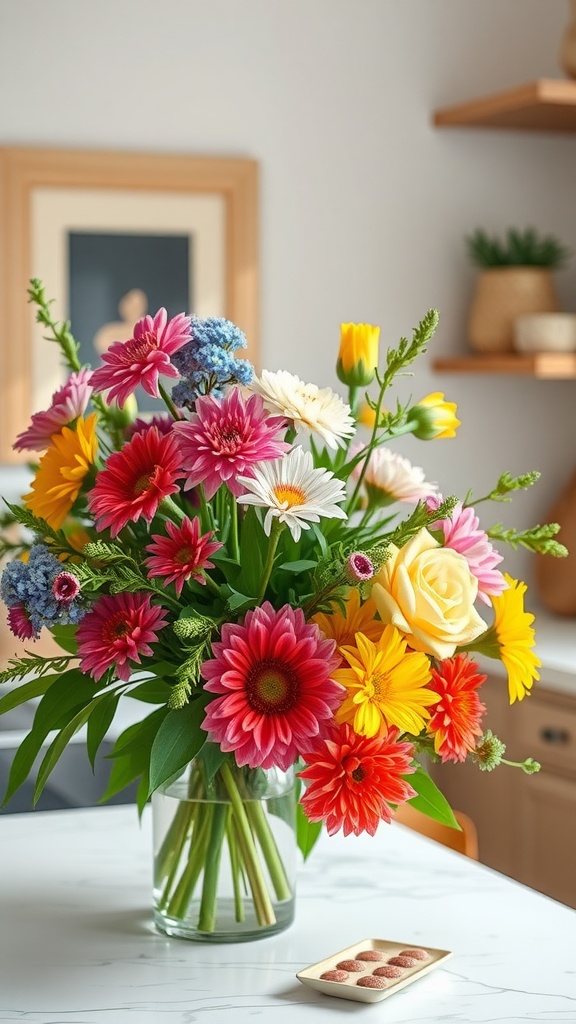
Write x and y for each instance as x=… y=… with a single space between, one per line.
x=224 y=853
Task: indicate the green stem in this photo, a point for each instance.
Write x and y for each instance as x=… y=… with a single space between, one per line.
x=234 y=545
x=213 y=856
x=169 y=506
x=273 y=544
x=184 y=891
x=262 y=902
x=169 y=403
x=235 y=868
x=263 y=832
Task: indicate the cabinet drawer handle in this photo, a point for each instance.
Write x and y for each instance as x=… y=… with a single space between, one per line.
x=552 y=735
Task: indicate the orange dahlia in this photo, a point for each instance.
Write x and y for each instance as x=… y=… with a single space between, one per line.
x=456 y=718
x=353 y=779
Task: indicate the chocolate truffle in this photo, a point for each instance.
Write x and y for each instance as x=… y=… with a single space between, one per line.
x=403 y=961
x=351 y=965
x=370 y=954
x=388 y=971
x=417 y=954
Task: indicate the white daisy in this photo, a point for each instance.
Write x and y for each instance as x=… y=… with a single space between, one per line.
x=390 y=477
x=293 y=492
x=319 y=410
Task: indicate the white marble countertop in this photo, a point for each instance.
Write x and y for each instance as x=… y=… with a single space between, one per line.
x=77 y=945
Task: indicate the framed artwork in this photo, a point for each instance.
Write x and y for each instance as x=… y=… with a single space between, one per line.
x=113 y=236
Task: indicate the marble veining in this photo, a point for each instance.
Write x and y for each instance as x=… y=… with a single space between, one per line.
x=77 y=945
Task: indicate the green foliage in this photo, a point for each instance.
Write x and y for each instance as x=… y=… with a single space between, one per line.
x=34 y=664
x=526 y=248
x=307 y=832
x=538 y=538
x=430 y=800
x=177 y=741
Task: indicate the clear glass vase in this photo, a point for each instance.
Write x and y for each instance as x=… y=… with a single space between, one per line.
x=225 y=853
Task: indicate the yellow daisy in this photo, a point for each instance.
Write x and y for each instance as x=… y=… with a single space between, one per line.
x=62 y=470
x=510 y=638
x=385 y=686
x=357 y=618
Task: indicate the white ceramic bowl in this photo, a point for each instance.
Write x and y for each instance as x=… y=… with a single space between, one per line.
x=545 y=332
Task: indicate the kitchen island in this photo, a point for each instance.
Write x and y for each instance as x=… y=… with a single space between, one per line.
x=77 y=945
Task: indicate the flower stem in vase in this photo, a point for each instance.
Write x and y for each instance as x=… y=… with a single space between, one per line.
x=262 y=831
x=213 y=855
x=262 y=902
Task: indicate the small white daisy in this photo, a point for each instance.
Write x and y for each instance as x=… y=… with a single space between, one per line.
x=390 y=477
x=318 y=410
x=294 y=492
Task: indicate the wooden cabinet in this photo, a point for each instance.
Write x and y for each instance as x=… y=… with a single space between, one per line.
x=526 y=823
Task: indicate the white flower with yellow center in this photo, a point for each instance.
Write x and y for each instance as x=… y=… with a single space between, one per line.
x=294 y=492
x=390 y=477
x=317 y=410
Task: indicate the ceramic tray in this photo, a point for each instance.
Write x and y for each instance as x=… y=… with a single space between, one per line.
x=374 y=955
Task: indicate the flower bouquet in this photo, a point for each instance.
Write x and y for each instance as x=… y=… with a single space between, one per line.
x=291 y=601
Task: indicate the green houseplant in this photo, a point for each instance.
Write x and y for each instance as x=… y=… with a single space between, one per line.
x=515 y=277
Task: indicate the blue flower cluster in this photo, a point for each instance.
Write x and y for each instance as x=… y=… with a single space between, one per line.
x=31 y=584
x=206 y=362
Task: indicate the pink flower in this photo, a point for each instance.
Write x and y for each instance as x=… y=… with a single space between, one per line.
x=135 y=480
x=225 y=439
x=116 y=631
x=142 y=358
x=20 y=623
x=273 y=673
x=69 y=402
x=183 y=554
x=462 y=534
x=65 y=588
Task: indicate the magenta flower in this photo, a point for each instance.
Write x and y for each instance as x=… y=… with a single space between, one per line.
x=69 y=402
x=135 y=480
x=20 y=623
x=462 y=534
x=225 y=438
x=116 y=631
x=142 y=358
x=183 y=555
x=274 y=677
x=65 y=587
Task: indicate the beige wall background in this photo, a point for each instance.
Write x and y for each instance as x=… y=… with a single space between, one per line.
x=364 y=206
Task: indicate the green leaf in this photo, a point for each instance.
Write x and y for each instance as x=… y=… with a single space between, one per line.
x=307 y=832
x=139 y=735
x=213 y=757
x=98 y=724
x=430 y=800
x=178 y=740
x=237 y=600
x=60 y=742
x=152 y=691
x=253 y=545
x=65 y=637
x=300 y=565
x=25 y=692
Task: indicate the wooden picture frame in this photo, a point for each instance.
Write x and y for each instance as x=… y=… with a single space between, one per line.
x=45 y=194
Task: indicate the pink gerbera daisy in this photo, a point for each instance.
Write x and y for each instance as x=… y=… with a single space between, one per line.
x=462 y=534
x=142 y=358
x=135 y=480
x=116 y=631
x=353 y=779
x=69 y=402
x=20 y=623
x=456 y=718
x=273 y=673
x=226 y=438
x=183 y=555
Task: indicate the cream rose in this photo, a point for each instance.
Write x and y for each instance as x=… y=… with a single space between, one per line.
x=428 y=592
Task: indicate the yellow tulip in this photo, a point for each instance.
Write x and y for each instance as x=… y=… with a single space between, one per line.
x=435 y=418
x=358 y=355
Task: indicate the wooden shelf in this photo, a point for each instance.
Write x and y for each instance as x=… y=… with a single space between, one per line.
x=542 y=365
x=548 y=104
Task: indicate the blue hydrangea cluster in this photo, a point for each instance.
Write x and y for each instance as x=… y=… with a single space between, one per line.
x=31 y=584
x=207 y=364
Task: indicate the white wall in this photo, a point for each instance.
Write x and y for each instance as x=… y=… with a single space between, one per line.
x=364 y=205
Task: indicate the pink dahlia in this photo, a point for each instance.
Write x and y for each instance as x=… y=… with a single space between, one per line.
x=462 y=534
x=135 y=480
x=353 y=779
x=116 y=631
x=69 y=402
x=142 y=358
x=274 y=676
x=183 y=555
x=225 y=438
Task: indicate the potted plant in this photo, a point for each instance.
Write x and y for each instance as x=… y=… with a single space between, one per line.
x=515 y=278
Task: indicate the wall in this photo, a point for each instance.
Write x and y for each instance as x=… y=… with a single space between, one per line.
x=364 y=206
